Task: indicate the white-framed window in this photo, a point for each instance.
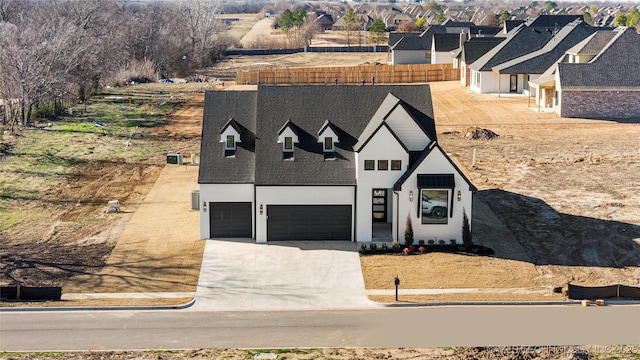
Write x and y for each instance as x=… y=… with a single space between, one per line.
x=434 y=206
x=396 y=165
x=230 y=144
x=328 y=144
x=287 y=145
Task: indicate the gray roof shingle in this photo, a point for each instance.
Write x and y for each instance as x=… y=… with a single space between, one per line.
x=478 y=46
x=446 y=42
x=615 y=67
x=349 y=108
x=538 y=61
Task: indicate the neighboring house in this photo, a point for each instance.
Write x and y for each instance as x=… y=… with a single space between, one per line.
x=443 y=44
x=525 y=39
x=409 y=49
x=516 y=73
x=324 y=21
x=339 y=162
x=471 y=51
x=598 y=78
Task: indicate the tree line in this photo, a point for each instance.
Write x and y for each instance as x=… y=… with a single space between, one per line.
x=52 y=50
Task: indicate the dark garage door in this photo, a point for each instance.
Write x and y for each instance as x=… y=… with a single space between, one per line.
x=308 y=222
x=230 y=219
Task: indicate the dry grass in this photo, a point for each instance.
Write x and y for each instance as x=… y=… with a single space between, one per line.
x=100 y=303
x=438 y=270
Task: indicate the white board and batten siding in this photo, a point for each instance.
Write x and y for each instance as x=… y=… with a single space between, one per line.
x=382 y=146
x=435 y=163
x=407 y=130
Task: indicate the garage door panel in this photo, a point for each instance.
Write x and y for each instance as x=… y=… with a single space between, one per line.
x=309 y=222
x=230 y=219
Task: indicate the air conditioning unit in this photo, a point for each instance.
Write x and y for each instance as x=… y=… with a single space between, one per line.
x=174 y=159
x=195 y=200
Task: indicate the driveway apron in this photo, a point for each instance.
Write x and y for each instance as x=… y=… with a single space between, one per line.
x=242 y=275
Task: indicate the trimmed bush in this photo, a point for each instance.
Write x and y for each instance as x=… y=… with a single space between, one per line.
x=421 y=242
x=431 y=241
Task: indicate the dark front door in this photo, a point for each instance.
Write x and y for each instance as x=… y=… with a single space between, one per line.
x=230 y=219
x=308 y=222
x=513 y=83
x=379 y=204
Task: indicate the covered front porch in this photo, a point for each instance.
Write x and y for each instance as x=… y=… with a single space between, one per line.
x=544 y=89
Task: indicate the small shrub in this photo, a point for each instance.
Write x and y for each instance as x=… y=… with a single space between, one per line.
x=431 y=241
x=421 y=249
x=453 y=241
x=363 y=247
x=373 y=246
x=408 y=233
x=406 y=251
x=421 y=242
x=385 y=247
x=441 y=242
x=466 y=230
x=395 y=245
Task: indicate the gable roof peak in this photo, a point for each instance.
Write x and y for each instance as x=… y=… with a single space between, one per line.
x=327 y=124
x=289 y=124
x=234 y=124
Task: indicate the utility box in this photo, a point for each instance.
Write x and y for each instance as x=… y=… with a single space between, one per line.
x=174 y=159
x=195 y=200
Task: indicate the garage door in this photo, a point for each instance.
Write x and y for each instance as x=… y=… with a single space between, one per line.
x=230 y=219
x=308 y=222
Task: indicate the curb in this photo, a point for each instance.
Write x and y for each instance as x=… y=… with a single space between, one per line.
x=100 y=308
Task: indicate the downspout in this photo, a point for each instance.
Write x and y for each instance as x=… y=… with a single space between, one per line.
x=397 y=216
x=255 y=213
x=355 y=213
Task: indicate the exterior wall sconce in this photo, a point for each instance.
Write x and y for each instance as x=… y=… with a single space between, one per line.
x=261 y=209
x=411 y=196
x=459 y=195
x=204 y=206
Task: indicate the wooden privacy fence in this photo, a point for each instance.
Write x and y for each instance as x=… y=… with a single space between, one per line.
x=379 y=74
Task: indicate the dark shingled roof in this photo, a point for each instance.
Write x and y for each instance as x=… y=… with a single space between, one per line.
x=512 y=24
x=349 y=108
x=538 y=61
x=551 y=21
x=594 y=44
x=521 y=41
x=412 y=43
x=446 y=42
x=395 y=36
x=219 y=107
x=615 y=67
x=473 y=49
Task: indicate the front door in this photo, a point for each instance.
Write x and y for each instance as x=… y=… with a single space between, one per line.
x=379 y=202
x=513 y=83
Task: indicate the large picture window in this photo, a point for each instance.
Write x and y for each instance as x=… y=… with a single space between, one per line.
x=435 y=206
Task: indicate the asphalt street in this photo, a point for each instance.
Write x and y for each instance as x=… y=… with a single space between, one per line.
x=382 y=327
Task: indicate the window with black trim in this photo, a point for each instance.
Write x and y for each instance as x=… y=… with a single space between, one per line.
x=396 y=164
x=369 y=164
x=435 y=206
x=383 y=164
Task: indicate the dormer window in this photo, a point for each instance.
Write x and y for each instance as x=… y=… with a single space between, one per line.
x=230 y=137
x=288 y=144
x=328 y=136
x=288 y=137
x=328 y=144
x=231 y=143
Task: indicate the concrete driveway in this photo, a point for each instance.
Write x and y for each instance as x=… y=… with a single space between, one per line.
x=243 y=275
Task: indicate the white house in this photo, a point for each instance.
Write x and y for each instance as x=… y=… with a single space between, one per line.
x=339 y=162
